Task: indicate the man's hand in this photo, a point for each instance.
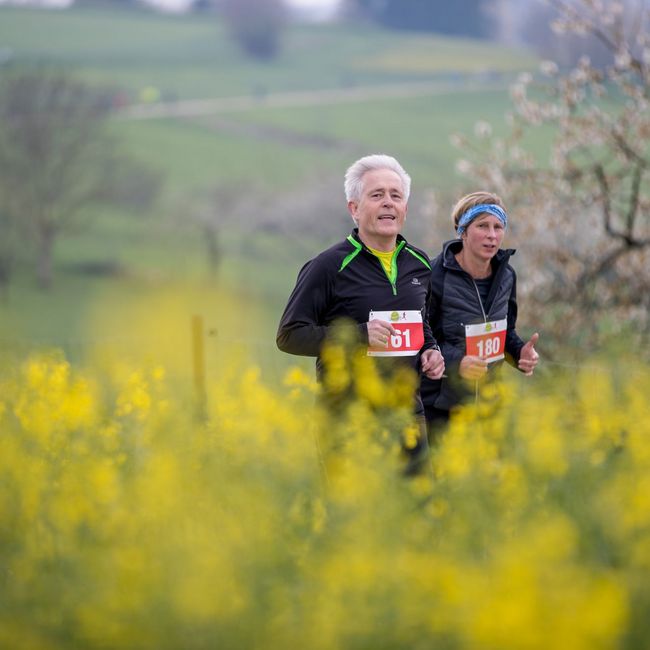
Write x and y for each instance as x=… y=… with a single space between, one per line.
x=528 y=356
x=472 y=367
x=432 y=363
x=379 y=332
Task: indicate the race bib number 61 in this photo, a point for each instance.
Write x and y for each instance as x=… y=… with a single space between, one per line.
x=408 y=337
x=487 y=340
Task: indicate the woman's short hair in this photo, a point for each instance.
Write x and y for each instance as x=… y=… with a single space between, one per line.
x=354 y=175
x=471 y=200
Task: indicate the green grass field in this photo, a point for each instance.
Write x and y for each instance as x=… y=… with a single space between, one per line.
x=271 y=150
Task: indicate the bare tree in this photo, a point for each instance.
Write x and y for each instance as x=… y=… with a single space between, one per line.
x=49 y=127
x=8 y=251
x=583 y=217
x=213 y=212
x=306 y=216
x=54 y=156
x=256 y=25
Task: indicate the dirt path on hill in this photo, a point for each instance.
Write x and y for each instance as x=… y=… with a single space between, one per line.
x=212 y=113
x=297 y=99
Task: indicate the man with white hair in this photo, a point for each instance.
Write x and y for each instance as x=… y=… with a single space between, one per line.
x=373 y=277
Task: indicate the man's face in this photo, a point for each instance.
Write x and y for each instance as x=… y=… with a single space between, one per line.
x=381 y=211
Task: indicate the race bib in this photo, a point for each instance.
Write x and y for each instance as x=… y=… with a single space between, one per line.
x=408 y=337
x=486 y=340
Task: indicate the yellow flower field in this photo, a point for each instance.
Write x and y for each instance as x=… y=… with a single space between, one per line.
x=127 y=522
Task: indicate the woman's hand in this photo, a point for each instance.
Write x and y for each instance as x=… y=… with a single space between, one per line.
x=528 y=356
x=433 y=364
x=472 y=367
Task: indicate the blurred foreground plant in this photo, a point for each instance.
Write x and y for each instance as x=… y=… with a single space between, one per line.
x=127 y=524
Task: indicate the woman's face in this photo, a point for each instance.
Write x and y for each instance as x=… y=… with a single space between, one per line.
x=483 y=237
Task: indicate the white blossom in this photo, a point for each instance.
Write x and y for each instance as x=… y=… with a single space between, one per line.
x=483 y=129
x=559 y=27
x=617 y=8
x=580 y=27
x=579 y=75
x=623 y=59
x=518 y=92
x=548 y=68
x=607 y=19
x=456 y=140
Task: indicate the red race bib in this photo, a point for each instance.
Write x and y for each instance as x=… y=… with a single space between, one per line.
x=487 y=340
x=408 y=337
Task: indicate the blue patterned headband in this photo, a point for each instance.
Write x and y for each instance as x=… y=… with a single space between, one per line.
x=474 y=212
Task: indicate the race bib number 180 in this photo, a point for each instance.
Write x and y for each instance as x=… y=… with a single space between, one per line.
x=486 y=340
x=408 y=337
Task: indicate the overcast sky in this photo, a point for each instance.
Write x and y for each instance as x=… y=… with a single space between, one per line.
x=320 y=7
x=324 y=4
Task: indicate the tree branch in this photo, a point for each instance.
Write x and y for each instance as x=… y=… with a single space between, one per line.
x=633 y=205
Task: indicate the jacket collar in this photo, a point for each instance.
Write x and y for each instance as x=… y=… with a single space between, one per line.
x=355 y=235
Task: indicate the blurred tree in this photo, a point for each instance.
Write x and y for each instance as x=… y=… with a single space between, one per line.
x=586 y=212
x=536 y=30
x=312 y=213
x=256 y=25
x=9 y=245
x=213 y=212
x=130 y=184
x=55 y=156
x=461 y=17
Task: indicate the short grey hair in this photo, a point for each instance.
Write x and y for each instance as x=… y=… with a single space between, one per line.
x=354 y=175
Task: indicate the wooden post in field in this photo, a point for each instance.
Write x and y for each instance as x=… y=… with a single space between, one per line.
x=198 y=365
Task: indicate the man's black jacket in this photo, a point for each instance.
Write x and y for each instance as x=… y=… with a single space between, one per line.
x=348 y=281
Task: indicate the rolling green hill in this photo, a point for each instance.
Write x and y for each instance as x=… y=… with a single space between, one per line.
x=191 y=56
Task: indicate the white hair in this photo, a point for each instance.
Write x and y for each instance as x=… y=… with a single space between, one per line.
x=354 y=175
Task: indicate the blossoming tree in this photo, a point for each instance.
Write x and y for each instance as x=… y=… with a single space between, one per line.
x=582 y=215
